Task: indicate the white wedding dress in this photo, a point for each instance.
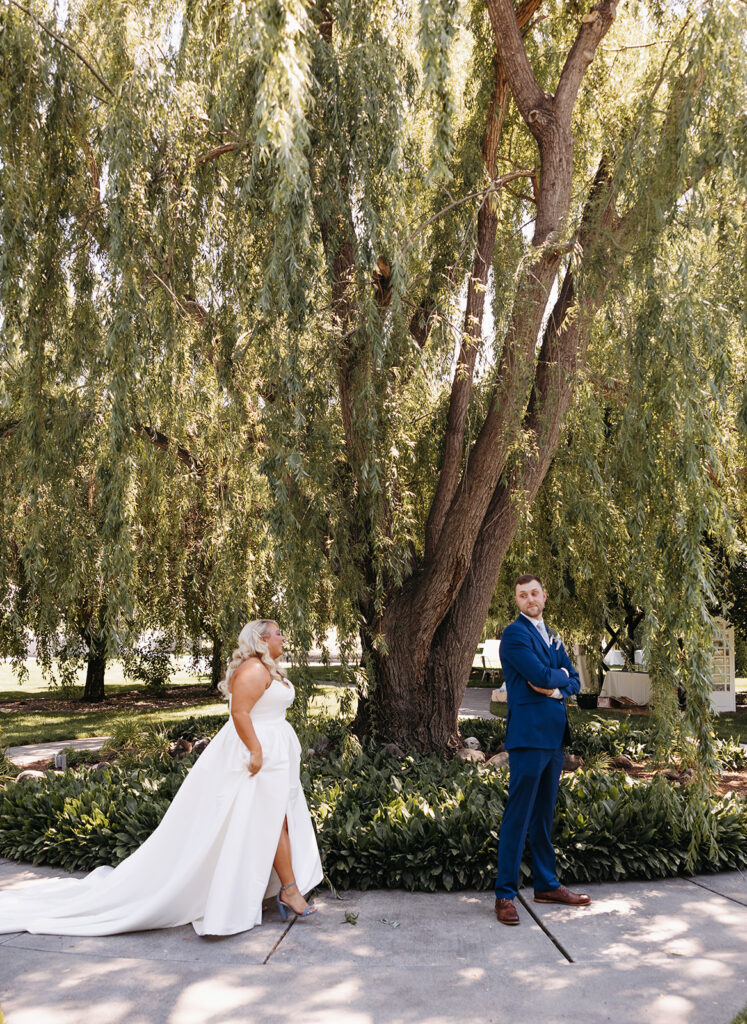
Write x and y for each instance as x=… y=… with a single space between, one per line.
x=209 y=862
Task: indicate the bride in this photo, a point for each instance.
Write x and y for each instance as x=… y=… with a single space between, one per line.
x=237 y=831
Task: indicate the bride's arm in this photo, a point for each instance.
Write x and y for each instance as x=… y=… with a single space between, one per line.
x=249 y=682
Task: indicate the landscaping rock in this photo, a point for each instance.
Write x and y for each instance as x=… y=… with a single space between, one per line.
x=100 y=766
x=499 y=760
x=30 y=773
x=622 y=761
x=465 y=754
x=180 y=749
x=200 y=745
x=571 y=762
x=393 y=750
x=472 y=743
x=322 y=744
x=499 y=696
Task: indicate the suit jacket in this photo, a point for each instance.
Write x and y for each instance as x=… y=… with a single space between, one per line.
x=533 y=719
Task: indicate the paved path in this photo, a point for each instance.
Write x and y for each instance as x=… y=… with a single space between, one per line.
x=476 y=703
x=668 y=952
x=37 y=751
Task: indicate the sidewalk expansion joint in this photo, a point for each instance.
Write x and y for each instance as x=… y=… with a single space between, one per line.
x=285 y=932
x=556 y=942
x=702 y=885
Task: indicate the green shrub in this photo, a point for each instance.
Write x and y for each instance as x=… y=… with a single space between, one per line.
x=427 y=824
x=85 y=757
x=197 y=726
x=597 y=735
x=79 y=821
x=490 y=732
x=150 y=663
x=8 y=770
x=415 y=823
x=731 y=755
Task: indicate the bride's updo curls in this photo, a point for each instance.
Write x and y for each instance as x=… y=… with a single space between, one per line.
x=252 y=642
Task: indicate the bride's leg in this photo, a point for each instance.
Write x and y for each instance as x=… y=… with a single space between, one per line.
x=284 y=868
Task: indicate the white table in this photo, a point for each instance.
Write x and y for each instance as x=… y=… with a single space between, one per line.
x=636 y=685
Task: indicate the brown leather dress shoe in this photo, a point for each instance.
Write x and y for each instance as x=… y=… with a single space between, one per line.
x=505 y=911
x=564 y=896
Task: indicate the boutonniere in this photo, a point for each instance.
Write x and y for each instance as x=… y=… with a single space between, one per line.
x=555 y=638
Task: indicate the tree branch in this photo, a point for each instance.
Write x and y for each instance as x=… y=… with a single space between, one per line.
x=193 y=463
x=61 y=42
x=495 y=186
x=161 y=441
x=213 y=154
x=461 y=390
x=594 y=27
x=510 y=46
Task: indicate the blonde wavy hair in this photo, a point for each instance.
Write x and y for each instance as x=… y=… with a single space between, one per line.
x=252 y=643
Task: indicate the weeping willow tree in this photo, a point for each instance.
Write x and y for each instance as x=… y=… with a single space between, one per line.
x=367 y=250
x=115 y=518
x=643 y=508
x=92 y=560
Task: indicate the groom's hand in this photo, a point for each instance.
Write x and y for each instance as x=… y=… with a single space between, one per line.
x=540 y=689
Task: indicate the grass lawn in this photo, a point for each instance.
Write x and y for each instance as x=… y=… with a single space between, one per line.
x=115 y=683
x=19 y=727
x=23 y=726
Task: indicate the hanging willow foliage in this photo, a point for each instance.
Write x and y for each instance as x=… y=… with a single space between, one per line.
x=321 y=284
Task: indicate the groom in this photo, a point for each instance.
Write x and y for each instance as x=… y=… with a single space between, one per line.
x=539 y=675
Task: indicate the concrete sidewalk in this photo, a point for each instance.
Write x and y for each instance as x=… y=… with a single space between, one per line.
x=33 y=752
x=670 y=952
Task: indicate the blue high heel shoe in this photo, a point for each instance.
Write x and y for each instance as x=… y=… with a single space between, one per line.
x=283 y=908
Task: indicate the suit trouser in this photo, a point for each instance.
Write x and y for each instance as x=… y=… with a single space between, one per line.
x=530 y=808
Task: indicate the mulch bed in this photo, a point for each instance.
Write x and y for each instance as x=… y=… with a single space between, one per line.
x=172 y=697
x=729 y=782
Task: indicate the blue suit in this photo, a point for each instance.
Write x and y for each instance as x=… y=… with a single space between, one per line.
x=536 y=729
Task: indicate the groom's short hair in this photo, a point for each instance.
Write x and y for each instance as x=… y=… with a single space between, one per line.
x=527 y=578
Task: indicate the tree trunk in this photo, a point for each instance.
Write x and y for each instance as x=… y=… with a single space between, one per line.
x=94 y=688
x=401 y=708
x=216 y=663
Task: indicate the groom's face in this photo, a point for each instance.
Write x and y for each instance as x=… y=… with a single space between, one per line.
x=530 y=598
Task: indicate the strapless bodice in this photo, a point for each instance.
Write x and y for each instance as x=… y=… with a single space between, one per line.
x=273 y=703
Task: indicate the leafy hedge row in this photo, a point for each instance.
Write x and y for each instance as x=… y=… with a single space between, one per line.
x=81 y=820
x=592 y=736
x=417 y=823
x=596 y=735
x=428 y=824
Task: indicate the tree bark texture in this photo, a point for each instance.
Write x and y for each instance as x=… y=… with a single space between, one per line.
x=216 y=664
x=93 y=692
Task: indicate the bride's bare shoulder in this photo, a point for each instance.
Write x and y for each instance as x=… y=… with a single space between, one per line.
x=250 y=675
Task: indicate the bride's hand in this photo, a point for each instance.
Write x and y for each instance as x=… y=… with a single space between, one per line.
x=255 y=761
